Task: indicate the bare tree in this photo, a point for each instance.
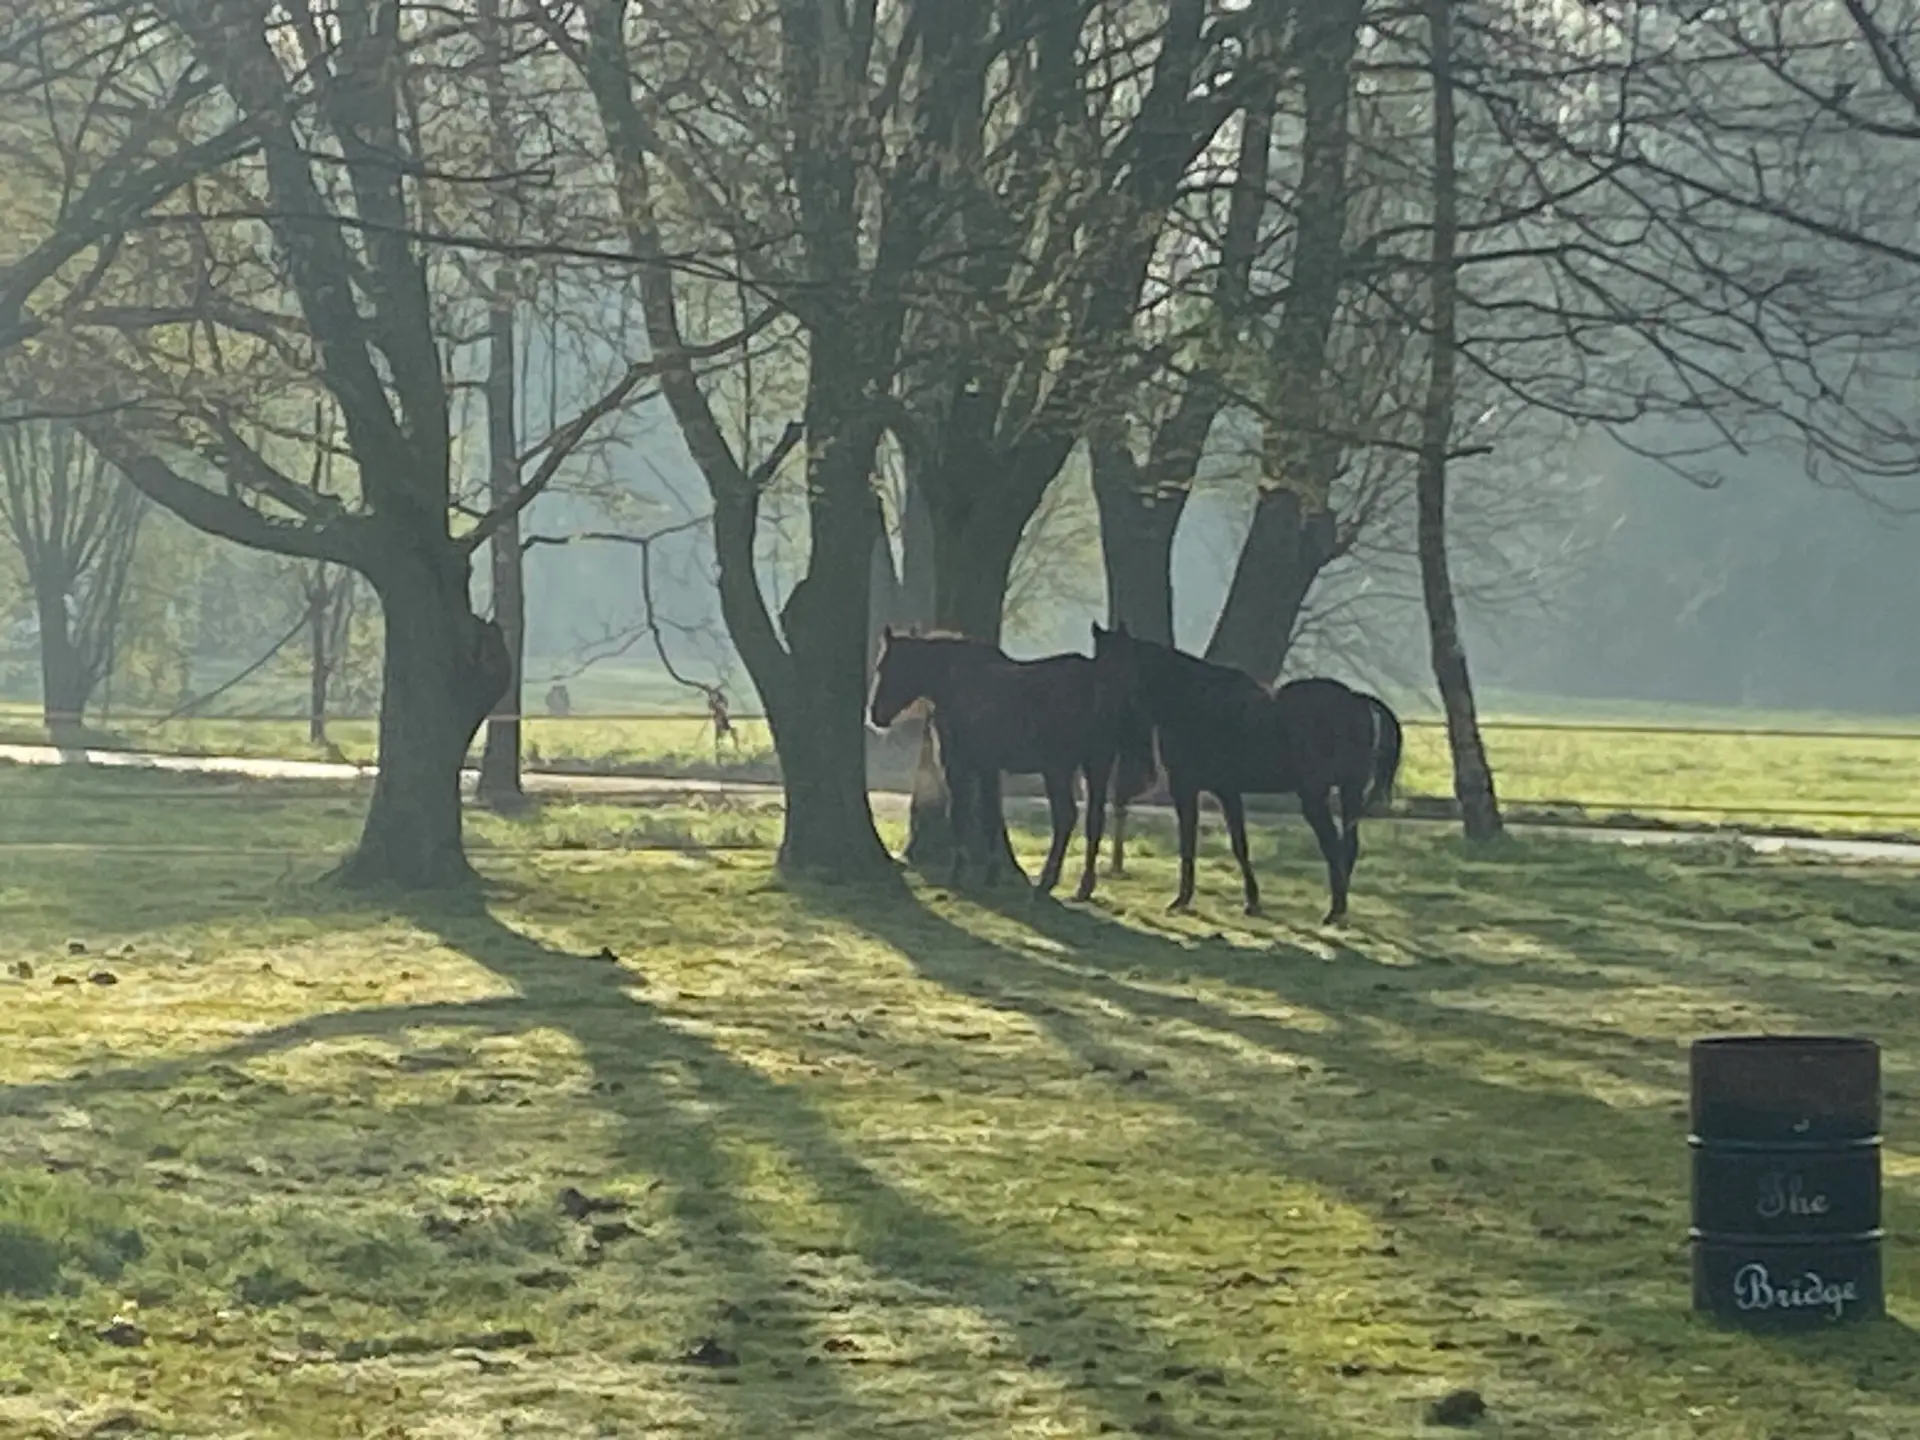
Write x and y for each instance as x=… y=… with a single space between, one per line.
x=1142 y=489
x=1293 y=533
x=321 y=270
x=499 y=783
x=103 y=128
x=75 y=522
x=838 y=263
x=1472 y=776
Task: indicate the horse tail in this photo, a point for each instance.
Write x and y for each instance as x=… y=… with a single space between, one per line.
x=1386 y=752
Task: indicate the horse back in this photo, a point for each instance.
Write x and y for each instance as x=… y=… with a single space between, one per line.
x=1330 y=727
x=1023 y=716
x=1315 y=732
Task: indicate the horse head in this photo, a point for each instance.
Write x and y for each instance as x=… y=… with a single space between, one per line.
x=902 y=677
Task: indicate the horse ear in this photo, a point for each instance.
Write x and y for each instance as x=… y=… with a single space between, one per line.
x=886 y=632
x=1098 y=633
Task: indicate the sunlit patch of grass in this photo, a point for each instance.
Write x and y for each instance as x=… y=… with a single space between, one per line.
x=657 y=1143
x=1840 y=774
x=1851 y=780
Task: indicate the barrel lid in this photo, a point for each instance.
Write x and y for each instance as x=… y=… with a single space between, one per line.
x=1794 y=1088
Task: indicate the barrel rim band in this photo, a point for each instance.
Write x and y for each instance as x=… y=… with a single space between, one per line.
x=1786 y=1147
x=1699 y=1236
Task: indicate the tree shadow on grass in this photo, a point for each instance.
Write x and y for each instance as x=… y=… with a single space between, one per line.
x=684 y=1108
x=937 y=1259
x=1412 y=1134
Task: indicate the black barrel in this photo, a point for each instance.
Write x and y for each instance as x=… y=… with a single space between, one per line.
x=1786 y=1180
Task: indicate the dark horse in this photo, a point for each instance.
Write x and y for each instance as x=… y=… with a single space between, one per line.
x=1220 y=730
x=994 y=714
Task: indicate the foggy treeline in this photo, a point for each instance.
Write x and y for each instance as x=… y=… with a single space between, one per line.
x=1632 y=585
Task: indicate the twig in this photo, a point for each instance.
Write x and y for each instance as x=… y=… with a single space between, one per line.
x=197 y=701
x=649 y=627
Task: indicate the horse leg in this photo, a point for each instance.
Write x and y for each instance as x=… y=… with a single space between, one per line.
x=959 y=810
x=1186 y=809
x=1353 y=801
x=1319 y=814
x=1061 y=807
x=991 y=820
x=1118 y=865
x=1096 y=821
x=1235 y=811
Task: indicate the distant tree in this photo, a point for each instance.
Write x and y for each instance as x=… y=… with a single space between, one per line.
x=499 y=782
x=1472 y=775
x=328 y=593
x=321 y=271
x=75 y=523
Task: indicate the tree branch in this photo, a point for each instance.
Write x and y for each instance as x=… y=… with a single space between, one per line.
x=222 y=516
x=563 y=442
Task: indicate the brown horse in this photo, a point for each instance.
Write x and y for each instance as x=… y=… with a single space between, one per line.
x=993 y=714
x=1221 y=731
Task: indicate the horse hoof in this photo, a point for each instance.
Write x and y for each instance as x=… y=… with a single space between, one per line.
x=1335 y=917
x=1253 y=908
x=1083 y=892
x=1180 y=907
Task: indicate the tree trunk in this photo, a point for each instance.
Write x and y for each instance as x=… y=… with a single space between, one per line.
x=1472 y=775
x=444 y=669
x=1293 y=535
x=973 y=544
x=500 y=784
x=883 y=598
x=1137 y=528
x=319 y=660
x=65 y=686
x=816 y=719
x=1141 y=503
x=1287 y=546
x=829 y=832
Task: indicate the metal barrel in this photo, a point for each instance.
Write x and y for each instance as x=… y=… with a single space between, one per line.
x=1786 y=1180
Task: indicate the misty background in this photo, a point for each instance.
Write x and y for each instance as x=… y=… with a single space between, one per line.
x=1588 y=577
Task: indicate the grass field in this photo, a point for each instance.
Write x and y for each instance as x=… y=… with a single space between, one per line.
x=651 y=1144
x=1833 y=774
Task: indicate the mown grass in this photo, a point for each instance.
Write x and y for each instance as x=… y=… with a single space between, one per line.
x=668 y=744
x=651 y=1143
x=1855 y=782
x=1852 y=779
